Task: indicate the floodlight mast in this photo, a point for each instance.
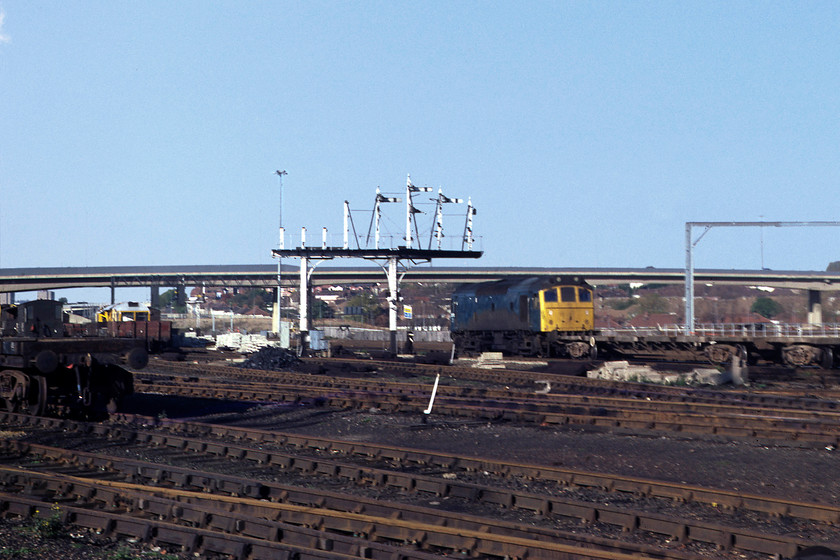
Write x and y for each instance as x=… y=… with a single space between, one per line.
x=689 y=257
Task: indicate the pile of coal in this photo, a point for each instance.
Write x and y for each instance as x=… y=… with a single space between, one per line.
x=271 y=359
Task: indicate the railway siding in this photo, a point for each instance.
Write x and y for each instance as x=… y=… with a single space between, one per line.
x=545 y=505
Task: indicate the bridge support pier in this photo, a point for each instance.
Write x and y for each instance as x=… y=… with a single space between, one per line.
x=181 y=294
x=815 y=307
x=154 y=296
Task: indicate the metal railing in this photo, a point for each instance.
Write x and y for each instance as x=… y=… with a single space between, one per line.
x=746 y=330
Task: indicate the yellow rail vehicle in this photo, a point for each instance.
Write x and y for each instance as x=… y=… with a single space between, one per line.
x=566 y=308
x=128 y=311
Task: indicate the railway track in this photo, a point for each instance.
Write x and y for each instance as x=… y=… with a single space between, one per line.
x=138 y=476
x=725 y=415
x=341 y=372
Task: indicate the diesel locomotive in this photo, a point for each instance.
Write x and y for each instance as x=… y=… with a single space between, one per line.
x=554 y=316
x=541 y=316
x=46 y=361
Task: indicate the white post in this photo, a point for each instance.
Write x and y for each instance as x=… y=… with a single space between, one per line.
x=689 y=282
x=346 y=224
x=323 y=238
x=303 y=238
x=392 y=302
x=468 y=226
x=408 y=210
x=439 y=218
x=277 y=315
x=432 y=399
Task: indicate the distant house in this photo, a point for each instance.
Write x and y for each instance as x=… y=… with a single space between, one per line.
x=653 y=320
x=747 y=319
x=256 y=312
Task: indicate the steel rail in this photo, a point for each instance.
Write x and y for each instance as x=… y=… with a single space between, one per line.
x=508 y=378
x=567 y=477
x=189 y=539
x=268 y=385
x=543 y=505
x=384 y=523
x=802 y=431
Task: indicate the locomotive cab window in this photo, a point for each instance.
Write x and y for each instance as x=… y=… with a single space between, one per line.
x=550 y=295
x=567 y=294
x=584 y=295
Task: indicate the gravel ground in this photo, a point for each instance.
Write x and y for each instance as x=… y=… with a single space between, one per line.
x=40 y=540
x=805 y=474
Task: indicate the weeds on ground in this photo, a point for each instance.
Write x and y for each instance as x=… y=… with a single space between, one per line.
x=49 y=527
x=16 y=552
x=128 y=553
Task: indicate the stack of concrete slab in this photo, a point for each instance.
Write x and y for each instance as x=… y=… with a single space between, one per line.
x=244 y=343
x=624 y=371
x=490 y=360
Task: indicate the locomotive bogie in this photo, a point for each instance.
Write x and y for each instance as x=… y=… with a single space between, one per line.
x=800 y=355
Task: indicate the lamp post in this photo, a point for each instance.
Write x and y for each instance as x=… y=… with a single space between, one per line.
x=279 y=313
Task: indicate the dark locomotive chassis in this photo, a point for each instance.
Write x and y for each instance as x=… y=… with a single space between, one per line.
x=793 y=351
x=526 y=343
x=75 y=376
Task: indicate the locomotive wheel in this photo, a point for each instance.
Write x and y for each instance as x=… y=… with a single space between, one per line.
x=37 y=401
x=827 y=358
x=13 y=389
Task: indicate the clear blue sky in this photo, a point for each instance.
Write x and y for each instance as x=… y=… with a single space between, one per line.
x=586 y=133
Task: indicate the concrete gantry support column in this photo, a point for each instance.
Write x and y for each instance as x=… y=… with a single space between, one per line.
x=304 y=305
x=154 y=296
x=393 y=299
x=181 y=291
x=815 y=307
x=113 y=291
x=689 y=282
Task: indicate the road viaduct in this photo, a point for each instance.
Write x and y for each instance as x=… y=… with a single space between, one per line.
x=265 y=276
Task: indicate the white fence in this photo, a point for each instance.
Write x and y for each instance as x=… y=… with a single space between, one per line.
x=381 y=335
x=748 y=330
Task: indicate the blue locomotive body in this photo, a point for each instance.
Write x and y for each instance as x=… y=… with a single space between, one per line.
x=538 y=315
